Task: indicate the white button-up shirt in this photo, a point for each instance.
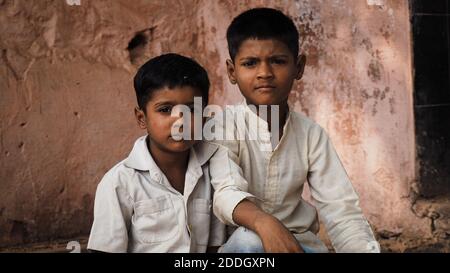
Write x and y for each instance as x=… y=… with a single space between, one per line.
x=137 y=210
x=276 y=177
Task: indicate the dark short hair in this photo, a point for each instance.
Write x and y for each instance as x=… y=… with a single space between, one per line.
x=169 y=70
x=261 y=24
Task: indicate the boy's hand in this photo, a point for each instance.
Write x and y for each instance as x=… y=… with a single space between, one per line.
x=274 y=235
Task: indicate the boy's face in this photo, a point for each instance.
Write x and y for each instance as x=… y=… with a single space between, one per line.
x=158 y=120
x=265 y=70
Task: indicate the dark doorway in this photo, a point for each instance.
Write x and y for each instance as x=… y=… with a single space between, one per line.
x=431 y=47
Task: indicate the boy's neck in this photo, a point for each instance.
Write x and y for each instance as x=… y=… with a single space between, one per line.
x=173 y=165
x=282 y=111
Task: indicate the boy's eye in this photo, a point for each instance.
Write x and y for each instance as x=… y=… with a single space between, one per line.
x=279 y=61
x=165 y=109
x=249 y=63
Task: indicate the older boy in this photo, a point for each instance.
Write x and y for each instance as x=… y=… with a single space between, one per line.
x=263 y=46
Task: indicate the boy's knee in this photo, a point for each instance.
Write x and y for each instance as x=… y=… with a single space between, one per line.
x=243 y=241
x=252 y=247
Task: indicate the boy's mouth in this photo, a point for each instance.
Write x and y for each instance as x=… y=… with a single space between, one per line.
x=265 y=88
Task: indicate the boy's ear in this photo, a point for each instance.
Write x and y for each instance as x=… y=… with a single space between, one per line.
x=140 y=118
x=301 y=62
x=231 y=71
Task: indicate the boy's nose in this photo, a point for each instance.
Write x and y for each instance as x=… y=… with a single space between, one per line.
x=265 y=71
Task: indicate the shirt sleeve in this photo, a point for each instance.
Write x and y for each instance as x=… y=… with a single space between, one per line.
x=113 y=209
x=230 y=187
x=335 y=198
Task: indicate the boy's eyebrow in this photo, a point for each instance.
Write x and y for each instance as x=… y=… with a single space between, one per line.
x=168 y=102
x=256 y=58
x=279 y=56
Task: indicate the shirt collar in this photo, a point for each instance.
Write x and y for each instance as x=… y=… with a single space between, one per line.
x=247 y=109
x=262 y=130
x=141 y=159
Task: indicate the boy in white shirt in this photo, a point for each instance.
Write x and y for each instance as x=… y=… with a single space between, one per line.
x=265 y=61
x=159 y=198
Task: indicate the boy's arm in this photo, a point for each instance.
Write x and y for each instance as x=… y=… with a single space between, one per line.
x=274 y=235
x=232 y=205
x=112 y=216
x=335 y=198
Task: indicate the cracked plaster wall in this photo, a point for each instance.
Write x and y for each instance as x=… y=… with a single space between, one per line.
x=66 y=98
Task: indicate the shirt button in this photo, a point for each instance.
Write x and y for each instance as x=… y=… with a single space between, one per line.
x=156 y=176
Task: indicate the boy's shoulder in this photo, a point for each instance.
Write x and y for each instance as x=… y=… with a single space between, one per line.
x=119 y=175
x=303 y=123
x=204 y=150
x=125 y=171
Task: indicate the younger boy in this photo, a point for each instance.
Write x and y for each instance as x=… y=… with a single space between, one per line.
x=159 y=198
x=265 y=61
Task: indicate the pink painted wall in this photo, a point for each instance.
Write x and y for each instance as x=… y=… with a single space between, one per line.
x=66 y=98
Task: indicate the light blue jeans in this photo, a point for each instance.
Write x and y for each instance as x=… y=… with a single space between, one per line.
x=246 y=241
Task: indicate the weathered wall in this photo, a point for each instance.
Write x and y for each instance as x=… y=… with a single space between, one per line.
x=66 y=98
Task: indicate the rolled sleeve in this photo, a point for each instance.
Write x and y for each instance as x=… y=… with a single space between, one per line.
x=335 y=198
x=112 y=217
x=229 y=185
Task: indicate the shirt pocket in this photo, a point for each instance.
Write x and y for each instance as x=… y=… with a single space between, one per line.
x=200 y=219
x=155 y=220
